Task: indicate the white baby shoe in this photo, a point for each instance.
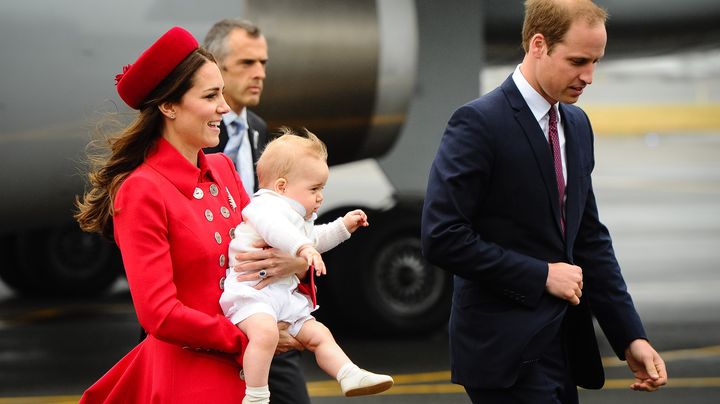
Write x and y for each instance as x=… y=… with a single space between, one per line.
x=363 y=383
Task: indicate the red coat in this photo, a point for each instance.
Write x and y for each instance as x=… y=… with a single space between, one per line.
x=174 y=242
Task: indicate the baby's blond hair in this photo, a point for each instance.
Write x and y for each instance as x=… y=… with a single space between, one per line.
x=282 y=153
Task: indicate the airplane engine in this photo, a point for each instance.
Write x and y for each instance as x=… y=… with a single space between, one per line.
x=346 y=70
x=375 y=79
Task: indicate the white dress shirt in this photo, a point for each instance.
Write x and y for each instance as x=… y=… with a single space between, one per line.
x=239 y=149
x=540 y=109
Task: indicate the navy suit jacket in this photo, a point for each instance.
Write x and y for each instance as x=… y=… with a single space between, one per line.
x=257 y=129
x=491 y=217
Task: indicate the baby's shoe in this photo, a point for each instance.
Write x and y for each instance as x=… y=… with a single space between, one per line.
x=363 y=383
x=250 y=400
x=257 y=395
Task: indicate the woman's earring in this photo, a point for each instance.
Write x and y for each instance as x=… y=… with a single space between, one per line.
x=172 y=116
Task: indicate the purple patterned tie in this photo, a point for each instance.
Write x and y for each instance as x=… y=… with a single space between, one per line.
x=557 y=162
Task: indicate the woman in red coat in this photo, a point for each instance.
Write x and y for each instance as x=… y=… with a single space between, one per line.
x=171 y=209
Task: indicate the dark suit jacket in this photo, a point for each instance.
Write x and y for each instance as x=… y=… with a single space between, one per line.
x=491 y=217
x=257 y=129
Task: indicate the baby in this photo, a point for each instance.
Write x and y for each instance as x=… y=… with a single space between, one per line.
x=292 y=172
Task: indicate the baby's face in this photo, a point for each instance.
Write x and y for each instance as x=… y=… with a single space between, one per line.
x=305 y=184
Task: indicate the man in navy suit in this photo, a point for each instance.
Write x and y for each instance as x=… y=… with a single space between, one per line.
x=510 y=211
x=242 y=53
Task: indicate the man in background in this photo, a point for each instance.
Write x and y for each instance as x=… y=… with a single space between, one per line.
x=242 y=53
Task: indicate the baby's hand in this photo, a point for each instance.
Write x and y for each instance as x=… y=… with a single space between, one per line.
x=312 y=256
x=354 y=219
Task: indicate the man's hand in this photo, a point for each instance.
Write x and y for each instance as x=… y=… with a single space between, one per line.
x=647 y=366
x=274 y=262
x=565 y=281
x=286 y=342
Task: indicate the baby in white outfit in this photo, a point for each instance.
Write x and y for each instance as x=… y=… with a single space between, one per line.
x=292 y=172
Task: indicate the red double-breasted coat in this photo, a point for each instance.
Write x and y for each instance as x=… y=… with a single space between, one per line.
x=172 y=223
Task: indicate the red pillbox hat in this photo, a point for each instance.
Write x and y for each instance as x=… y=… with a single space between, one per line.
x=140 y=78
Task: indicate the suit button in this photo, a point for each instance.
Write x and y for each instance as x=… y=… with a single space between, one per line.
x=213 y=190
x=208 y=215
x=222 y=261
x=225 y=212
x=231 y=233
x=222 y=283
x=218 y=237
x=198 y=193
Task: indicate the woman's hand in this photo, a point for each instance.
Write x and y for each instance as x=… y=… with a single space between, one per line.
x=268 y=265
x=286 y=342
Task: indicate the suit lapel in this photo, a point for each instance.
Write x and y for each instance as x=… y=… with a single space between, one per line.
x=253 y=137
x=572 y=210
x=538 y=143
x=257 y=134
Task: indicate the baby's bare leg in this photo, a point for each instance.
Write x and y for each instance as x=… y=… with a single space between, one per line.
x=318 y=339
x=262 y=331
x=331 y=358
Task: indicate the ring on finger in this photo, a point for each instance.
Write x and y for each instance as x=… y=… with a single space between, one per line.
x=262 y=274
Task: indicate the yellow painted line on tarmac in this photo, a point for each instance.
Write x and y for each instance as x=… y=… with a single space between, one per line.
x=331 y=389
x=640 y=119
x=414 y=383
x=439 y=382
